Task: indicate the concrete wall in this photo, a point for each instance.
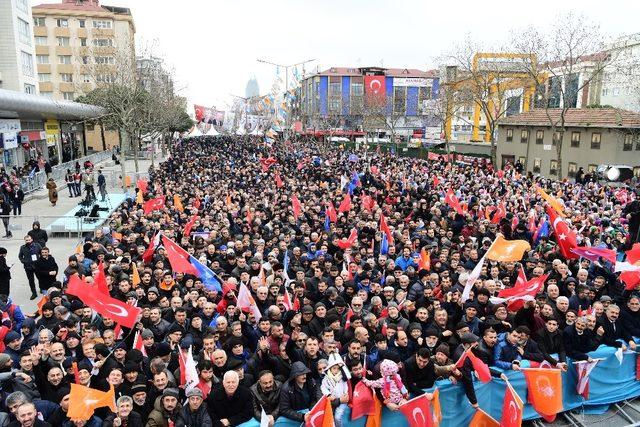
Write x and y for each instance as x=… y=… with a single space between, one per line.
x=532 y=153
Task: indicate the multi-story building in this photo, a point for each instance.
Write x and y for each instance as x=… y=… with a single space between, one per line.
x=592 y=137
x=152 y=71
x=338 y=98
x=80 y=44
x=17 y=54
x=620 y=86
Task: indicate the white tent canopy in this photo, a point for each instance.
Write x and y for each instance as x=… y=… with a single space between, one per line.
x=212 y=132
x=241 y=131
x=256 y=132
x=194 y=132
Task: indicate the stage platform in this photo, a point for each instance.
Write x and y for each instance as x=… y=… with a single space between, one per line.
x=71 y=224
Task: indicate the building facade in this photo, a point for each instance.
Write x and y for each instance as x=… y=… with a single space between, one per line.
x=337 y=97
x=17 y=53
x=80 y=44
x=593 y=137
x=620 y=86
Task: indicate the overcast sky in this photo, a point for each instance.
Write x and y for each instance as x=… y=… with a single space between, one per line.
x=213 y=44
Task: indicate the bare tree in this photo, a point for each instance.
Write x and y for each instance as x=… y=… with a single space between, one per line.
x=569 y=68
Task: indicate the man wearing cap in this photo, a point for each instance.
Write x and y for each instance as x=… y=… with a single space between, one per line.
x=194 y=413
x=166 y=409
x=229 y=403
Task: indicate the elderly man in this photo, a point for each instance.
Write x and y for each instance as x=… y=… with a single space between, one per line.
x=125 y=416
x=266 y=396
x=229 y=403
x=166 y=410
x=615 y=334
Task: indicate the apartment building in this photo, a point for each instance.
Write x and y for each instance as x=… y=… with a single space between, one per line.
x=17 y=55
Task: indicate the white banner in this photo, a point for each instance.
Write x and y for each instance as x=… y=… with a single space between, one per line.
x=411 y=81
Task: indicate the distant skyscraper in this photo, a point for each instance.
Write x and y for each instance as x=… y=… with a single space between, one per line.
x=252 y=88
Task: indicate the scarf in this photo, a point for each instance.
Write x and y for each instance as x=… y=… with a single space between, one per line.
x=386 y=389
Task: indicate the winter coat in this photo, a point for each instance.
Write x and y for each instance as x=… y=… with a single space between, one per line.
x=237 y=408
x=294 y=399
x=268 y=400
x=26 y=255
x=53 y=191
x=38 y=234
x=133 y=420
x=200 y=418
x=43 y=267
x=159 y=416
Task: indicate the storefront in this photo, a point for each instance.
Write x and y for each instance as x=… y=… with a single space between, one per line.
x=72 y=141
x=9 y=130
x=33 y=140
x=54 y=148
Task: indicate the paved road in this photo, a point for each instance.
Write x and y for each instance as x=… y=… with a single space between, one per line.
x=38 y=207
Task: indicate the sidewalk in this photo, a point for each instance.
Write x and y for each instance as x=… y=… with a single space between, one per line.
x=37 y=207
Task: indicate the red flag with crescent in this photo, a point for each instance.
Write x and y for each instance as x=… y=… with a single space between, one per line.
x=321 y=415
x=331 y=211
x=452 y=201
x=189 y=226
x=384 y=227
x=267 y=163
x=153 y=205
x=104 y=305
x=279 y=183
x=565 y=237
x=295 y=204
x=345 y=205
x=347 y=243
x=362 y=401
x=147 y=256
x=544 y=390
x=374 y=87
x=511 y=408
x=523 y=291
x=417 y=411
x=178 y=257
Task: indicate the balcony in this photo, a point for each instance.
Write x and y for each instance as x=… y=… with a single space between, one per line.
x=61 y=32
x=44 y=68
x=42 y=50
x=40 y=31
x=81 y=32
x=46 y=86
x=64 y=50
x=64 y=68
x=66 y=87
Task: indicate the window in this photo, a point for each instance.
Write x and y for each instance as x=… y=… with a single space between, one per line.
x=108 y=78
x=30 y=89
x=524 y=136
x=66 y=77
x=23 y=5
x=522 y=160
x=27 y=63
x=42 y=59
x=595 y=140
x=64 y=59
x=424 y=94
x=63 y=41
x=62 y=22
x=104 y=60
x=537 y=164
x=83 y=41
x=399 y=99
x=539 y=137
x=47 y=94
x=44 y=77
x=628 y=142
x=592 y=168
x=85 y=78
x=509 y=135
x=41 y=40
x=24 y=33
x=85 y=59
x=68 y=96
x=102 y=24
x=573 y=168
x=38 y=21
x=636 y=171
x=575 y=139
x=81 y=23
x=557 y=137
x=103 y=42
x=553 y=167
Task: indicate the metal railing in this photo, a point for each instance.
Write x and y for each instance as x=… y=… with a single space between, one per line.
x=39 y=179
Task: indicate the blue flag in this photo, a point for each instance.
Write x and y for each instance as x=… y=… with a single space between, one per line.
x=327 y=222
x=285 y=264
x=384 y=245
x=542 y=231
x=208 y=277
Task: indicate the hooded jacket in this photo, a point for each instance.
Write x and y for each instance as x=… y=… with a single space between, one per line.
x=15 y=314
x=294 y=398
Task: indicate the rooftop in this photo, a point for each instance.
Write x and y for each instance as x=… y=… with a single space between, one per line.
x=83 y=5
x=577 y=117
x=392 y=72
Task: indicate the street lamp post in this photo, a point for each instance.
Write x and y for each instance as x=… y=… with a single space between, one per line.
x=286 y=83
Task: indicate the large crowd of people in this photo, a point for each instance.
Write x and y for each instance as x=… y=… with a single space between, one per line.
x=339 y=302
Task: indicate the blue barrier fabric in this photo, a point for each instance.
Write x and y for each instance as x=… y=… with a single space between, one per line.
x=610 y=382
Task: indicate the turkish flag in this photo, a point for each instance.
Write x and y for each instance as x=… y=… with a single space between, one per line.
x=321 y=415
x=347 y=243
x=147 y=256
x=522 y=291
x=199 y=110
x=565 y=237
x=345 y=206
x=189 y=226
x=368 y=203
x=143 y=185
x=452 y=201
x=106 y=306
x=481 y=368
x=425 y=260
x=633 y=254
x=511 y=408
x=362 y=401
x=374 y=87
x=279 y=183
x=138 y=344
x=153 y=205
x=594 y=254
x=101 y=280
x=498 y=213
x=331 y=212
x=178 y=257
x=418 y=412
x=544 y=388
x=384 y=227
x=267 y=163
x=295 y=204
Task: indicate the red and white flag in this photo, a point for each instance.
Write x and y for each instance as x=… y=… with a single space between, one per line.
x=246 y=301
x=138 y=344
x=481 y=368
x=384 y=227
x=347 y=243
x=565 y=237
x=520 y=293
x=147 y=256
x=452 y=201
x=345 y=205
x=296 y=206
x=584 y=368
x=511 y=408
x=471 y=280
x=153 y=205
x=418 y=411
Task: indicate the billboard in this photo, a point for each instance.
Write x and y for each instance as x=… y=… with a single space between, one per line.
x=209 y=115
x=411 y=81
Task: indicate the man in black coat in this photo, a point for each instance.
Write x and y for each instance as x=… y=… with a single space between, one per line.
x=230 y=404
x=299 y=392
x=579 y=340
x=28 y=255
x=550 y=342
x=46 y=270
x=420 y=373
x=5 y=272
x=614 y=330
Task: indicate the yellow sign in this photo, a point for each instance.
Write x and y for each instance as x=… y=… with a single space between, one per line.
x=52 y=129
